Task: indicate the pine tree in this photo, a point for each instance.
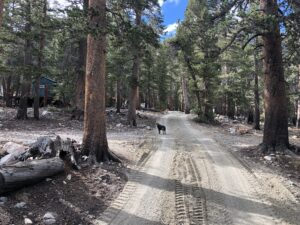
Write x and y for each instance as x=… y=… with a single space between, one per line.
x=276 y=121
x=94 y=138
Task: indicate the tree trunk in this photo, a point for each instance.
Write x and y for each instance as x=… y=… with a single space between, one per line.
x=26 y=83
x=196 y=88
x=230 y=106
x=256 y=94
x=81 y=65
x=27 y=173
x=134 y=83
x=276 y=121
x=36 y=104
x=94 y=137
x=185 y=95
x=7 y=90
x=208 y=109
x=118 y=97
x=80 y=82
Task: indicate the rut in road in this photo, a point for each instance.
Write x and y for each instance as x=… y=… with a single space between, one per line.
x=189 y=196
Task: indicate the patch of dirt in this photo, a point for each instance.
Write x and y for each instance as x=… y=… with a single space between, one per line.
x=75 y=201
x=75 y=197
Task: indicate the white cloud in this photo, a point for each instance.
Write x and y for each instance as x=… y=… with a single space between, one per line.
x=162 y=2
x=171 y=29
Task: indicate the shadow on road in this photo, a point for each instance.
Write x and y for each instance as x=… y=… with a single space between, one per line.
x=240 y=204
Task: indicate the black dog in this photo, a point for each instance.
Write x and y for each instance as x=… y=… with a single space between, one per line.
x=161 y=127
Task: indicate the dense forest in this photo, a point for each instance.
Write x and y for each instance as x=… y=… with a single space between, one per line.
x=236 y=58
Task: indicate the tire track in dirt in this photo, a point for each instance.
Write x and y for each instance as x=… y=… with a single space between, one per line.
x=189 y=196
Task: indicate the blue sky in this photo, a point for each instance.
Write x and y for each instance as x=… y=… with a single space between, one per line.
x=173 y=10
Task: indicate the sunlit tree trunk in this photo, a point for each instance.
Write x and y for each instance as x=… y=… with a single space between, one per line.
x=276 y=119
x=94 y=137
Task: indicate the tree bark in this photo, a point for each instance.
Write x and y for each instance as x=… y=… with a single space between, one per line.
x=94 y=137
x=26 y=82
x=276 y=119
x=27 y=173
x=134 y=83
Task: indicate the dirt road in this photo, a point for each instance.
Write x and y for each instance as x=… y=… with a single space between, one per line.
x=192 y=179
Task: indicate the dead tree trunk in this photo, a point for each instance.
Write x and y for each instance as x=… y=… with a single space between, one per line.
x=27 y=173
x=276 y=119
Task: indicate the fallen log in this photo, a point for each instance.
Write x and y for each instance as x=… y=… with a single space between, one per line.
x=26 y=173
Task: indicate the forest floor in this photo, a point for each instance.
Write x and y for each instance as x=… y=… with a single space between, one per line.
x=75 y=197
x=78 y=197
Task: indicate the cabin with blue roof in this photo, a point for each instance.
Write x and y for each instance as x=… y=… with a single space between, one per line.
x=46 y=87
